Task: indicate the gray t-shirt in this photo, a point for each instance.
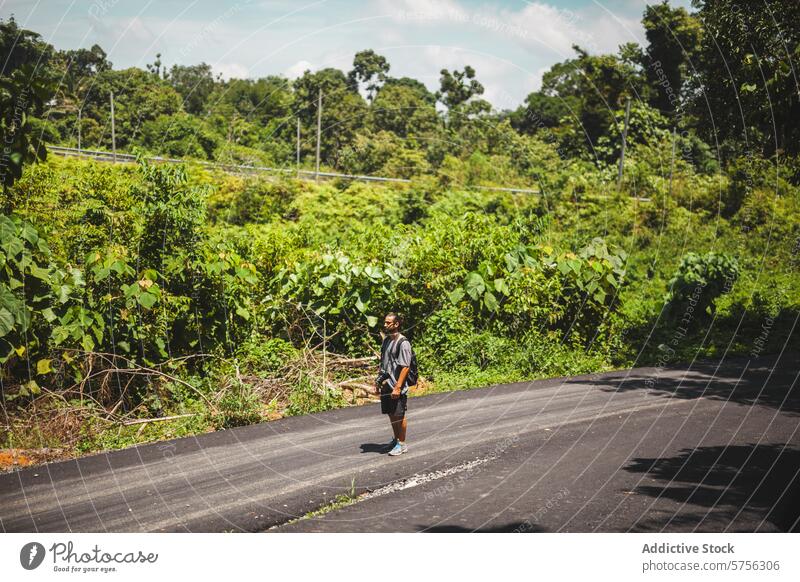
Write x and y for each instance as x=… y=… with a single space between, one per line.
x=392 y=365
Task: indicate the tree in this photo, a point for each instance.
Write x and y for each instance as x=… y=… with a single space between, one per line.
x=78 y=71
x=748 y=92
x=673 y=37
x=156 y=69
x=592 y=87
x=540 y=111
x=179 y=135
x=259 y=100
x=403 y=108
x=27 y=84
x=138 y=97
x=81 y=67
x=416 y=86
x=458 y=87
x=194 y=83
x=343 y=111
x=369 y=68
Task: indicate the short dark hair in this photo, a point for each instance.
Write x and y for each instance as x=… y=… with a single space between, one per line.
x=396 y=317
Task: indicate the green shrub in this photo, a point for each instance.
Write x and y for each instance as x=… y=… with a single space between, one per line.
x=698 y=282
x=334 y=294
x=27 y=293
x=264 y=356
x=306 y=398
x=240 y=405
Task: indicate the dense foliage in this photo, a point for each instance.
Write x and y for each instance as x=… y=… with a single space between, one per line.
x=375 y=123
x=143 y=290
x=174 y=290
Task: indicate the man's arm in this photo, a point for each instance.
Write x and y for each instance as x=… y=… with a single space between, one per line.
x=400 y=380
x=404 y=362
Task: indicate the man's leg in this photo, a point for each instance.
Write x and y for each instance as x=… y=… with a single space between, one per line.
x=399 y=425
x=395 y=425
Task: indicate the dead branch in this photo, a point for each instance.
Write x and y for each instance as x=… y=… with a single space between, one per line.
x=145 y=371
x=368 y=387
x=147 y=420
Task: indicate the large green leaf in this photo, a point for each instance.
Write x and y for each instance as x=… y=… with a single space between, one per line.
x=243 y=313
x=13 y=246
x=40 y=273
x=147 y=300
x=490 y=301
x=456 y=294
x=501 y=286
x=87 y=342
x=474 y=285
x=43 y=367
x=6 y=321
x=373 y=272
x=511 y=262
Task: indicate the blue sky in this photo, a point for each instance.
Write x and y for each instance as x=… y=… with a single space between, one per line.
x=510 y=43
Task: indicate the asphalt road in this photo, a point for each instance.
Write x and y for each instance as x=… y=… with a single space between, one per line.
x=705 y=447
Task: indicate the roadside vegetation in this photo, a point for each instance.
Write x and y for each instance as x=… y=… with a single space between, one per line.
x=141 y=302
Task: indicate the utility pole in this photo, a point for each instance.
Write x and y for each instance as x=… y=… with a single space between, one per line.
x=79 y=130
x=319 y=131
x=298 y=147
x=672 y=163
x=113 y=129
x=624 y=140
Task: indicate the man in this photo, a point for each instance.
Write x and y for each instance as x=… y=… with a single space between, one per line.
x=393 y=380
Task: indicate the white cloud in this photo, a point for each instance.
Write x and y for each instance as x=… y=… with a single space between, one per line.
x=510 y=44
x=539 y=25
x=230 y=70
x=117 y=29
x=536 y=26
x=424 y=11
x=296 y=70
x=492 y=71
x=526 y=39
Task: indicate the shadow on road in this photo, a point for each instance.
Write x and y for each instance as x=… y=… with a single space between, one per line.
x=511 y=527
x=375 y=448
x=750 y=483
x=761 y=384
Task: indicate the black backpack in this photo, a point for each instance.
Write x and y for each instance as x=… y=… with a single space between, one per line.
x=413 y=372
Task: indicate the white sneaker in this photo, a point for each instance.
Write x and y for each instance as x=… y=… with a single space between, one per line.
x=399 y=449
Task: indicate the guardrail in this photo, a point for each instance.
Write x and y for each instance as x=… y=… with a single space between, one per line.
x=245 y=168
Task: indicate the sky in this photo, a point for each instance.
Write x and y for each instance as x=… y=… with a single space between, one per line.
x=510 y=43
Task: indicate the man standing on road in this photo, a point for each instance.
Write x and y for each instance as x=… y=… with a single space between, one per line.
x=393 y=379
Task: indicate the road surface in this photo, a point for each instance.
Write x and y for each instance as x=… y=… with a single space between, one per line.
x=707 y=447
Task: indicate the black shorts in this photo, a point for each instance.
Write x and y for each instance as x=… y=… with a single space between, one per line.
x=393 y=406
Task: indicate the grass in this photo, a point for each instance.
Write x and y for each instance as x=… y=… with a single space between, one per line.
x=340 y=501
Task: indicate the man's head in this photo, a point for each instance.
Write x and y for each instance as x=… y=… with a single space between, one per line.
x=392 y=323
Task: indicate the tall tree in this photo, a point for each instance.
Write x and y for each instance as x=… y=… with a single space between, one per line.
x=259 y=100
x=539 y=112
x=81 y=66
x=369 y=68
x=592 y=87
x=343 y=111
x=194 y=83
x=748 y=93
x=404 y=107
x=458 y=87
x=673 y=37
x=27 y=84
x=138 y=97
